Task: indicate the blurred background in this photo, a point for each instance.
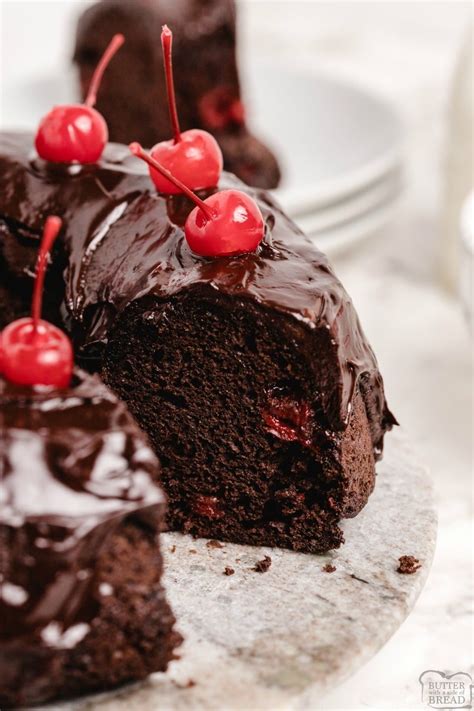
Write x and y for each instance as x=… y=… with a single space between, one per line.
x=369 y=106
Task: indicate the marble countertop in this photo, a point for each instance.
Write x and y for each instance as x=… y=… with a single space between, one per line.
x=405 y=52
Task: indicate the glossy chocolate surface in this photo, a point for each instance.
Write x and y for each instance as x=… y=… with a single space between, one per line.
x=73 y=465
x=123 y=241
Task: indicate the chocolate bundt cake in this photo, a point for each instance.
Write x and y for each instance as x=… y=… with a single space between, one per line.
x=250 y=374
x=133 y=94
x=81 y=603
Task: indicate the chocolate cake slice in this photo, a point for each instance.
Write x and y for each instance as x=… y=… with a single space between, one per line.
x=81 y=603
x=250 y=374
x=133 y=94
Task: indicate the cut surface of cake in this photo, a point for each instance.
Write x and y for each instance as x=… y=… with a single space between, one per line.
x=81 y=603
x=133 y=94
x=250 y=374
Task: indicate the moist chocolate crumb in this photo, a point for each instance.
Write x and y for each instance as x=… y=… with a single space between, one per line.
x=263 y=565
x=228 y=571
x=408 y=564
x=172 y=549
x=328 y=568
x=214 y=544
x=290 y=514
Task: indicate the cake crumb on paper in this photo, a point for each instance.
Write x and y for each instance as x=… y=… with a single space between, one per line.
x=328 y=568
x=228 y=571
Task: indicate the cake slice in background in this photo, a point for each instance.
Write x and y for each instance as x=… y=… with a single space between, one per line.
x=133 y=94
x=81 y=603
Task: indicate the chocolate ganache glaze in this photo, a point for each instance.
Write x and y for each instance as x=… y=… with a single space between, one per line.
x=122 y=241
x=73 y=466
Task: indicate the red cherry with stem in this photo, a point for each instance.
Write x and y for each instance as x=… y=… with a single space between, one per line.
x=77 y=133
x=194 y=156
x=226 y=223
x=33 y=351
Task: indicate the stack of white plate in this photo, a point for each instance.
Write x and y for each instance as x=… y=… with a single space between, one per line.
x=340 y=149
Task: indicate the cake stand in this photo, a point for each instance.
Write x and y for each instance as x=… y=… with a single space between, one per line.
x=280 y=639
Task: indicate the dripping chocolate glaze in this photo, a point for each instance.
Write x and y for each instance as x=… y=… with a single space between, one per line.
x=72 y=466
x=124 y=241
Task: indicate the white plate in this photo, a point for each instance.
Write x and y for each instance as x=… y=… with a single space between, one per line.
x=343 y=237
x=356 y=206
x=332 y=138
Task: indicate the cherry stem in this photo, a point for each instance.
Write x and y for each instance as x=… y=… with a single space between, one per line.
x=167 y=44
x=50 y=232
x=115 y=43
x=138 y=151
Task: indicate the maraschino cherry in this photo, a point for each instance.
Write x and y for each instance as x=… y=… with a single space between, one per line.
x=33 y=351
x=77 y=133
x=228 y=222
x=193 y=156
